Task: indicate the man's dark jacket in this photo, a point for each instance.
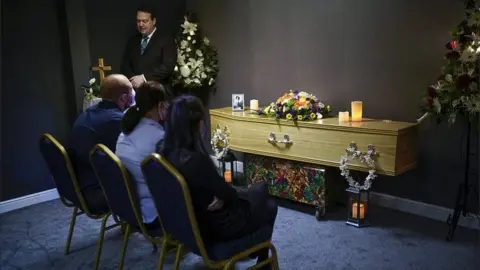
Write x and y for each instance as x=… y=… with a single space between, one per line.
x=156 y=63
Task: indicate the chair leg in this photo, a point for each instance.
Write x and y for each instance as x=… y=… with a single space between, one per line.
x=70 y=232
x=229 y=266
x=100 y=241
x=126 y=237
x=178 y=258
x=163 y=253
x=274 y=258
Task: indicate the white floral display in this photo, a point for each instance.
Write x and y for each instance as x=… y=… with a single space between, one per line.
x=367 y=158
x=91 y=96
x=197 y=64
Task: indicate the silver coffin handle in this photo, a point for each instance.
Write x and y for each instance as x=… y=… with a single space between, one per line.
x=272 y=139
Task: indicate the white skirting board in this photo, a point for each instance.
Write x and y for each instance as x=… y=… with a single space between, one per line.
x=385 y=200
x=423 y=209
x=21 y=202
x=408 y=206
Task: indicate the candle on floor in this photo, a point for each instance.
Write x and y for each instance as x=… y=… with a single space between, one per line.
x=357 y=107
x=354 y=211
x=343 y=117
x=228 y=176
x=254 y=104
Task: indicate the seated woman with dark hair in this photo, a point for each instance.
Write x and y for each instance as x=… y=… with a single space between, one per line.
x=141 y=132
x=222 y=213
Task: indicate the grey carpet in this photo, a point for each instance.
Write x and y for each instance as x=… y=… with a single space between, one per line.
x=34 y=238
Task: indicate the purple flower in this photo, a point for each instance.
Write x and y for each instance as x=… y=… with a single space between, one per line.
x=292 y=111
x=295 y=92
x=453 y=55
x=464 y=81
x=259 y=111
x=432 y=92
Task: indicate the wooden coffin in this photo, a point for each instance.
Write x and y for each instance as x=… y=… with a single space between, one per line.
x=322 y=141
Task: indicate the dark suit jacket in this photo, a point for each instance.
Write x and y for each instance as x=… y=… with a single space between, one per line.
x=98 y=124
x=156 y=63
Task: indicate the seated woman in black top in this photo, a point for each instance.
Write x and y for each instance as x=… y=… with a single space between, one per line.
x=221 y=212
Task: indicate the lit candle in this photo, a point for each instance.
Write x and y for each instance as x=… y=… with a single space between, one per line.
x=228 y=176
x=343 y=117
x=354 y=211
x=357 y=110
x=254 y=104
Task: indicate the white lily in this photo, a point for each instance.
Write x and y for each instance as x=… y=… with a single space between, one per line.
x=185 y=71
x=189 y=28
x=206 y=41
x=183 y=44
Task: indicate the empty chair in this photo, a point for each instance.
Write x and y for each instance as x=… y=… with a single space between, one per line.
x=63 y=174
x=121 y=197
x=169 y=189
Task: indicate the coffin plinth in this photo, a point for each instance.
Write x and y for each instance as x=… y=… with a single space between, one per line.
x=322 y=141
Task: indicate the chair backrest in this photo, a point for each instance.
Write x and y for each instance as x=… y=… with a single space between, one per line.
x=62 y=171
x=116 y=184
x=172 y=199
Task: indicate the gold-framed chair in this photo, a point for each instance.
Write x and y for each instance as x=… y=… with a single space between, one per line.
x=121 y=197
x=60 y=166
x=168 y=187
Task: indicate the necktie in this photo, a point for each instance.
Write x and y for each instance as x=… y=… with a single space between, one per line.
x=143 y=45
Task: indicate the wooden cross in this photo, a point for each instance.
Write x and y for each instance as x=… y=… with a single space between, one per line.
x=101 y=69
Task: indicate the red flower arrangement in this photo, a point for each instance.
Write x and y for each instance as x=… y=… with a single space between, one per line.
x=456 y=91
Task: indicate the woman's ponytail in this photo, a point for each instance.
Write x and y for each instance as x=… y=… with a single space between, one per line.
x=148 y=96
x=131 y=118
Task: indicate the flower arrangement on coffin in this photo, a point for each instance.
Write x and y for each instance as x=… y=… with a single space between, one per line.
x=456 y=91
x=92 y=93
x=197 y=63
x=296 y=106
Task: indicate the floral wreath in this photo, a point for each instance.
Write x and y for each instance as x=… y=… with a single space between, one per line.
x=219 y=142
x=352 y=153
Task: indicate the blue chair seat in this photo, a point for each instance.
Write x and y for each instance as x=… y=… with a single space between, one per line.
x=225 y=250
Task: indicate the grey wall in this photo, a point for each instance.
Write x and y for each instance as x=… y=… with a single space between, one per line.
x=35 y=91
x=1 y=100
x=384 y=52
x=47 y=46
x=79 y=47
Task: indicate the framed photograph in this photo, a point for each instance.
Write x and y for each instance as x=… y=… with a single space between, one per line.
x=238 y=102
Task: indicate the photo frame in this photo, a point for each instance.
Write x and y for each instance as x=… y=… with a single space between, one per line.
x=238 y=102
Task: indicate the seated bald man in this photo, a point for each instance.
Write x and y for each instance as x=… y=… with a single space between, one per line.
x=100 y=123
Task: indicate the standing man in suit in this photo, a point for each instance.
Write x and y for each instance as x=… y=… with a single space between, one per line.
x=148 y=55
